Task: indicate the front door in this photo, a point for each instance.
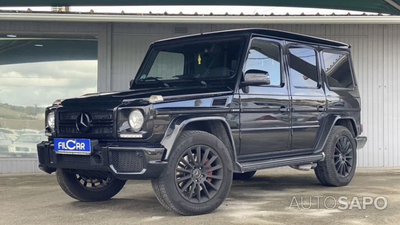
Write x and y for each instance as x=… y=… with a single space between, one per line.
x=265 y=115
x=308 y=96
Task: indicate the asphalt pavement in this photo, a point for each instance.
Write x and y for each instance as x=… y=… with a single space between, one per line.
x=276 y=196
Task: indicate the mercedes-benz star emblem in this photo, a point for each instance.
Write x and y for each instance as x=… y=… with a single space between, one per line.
x=83 y=122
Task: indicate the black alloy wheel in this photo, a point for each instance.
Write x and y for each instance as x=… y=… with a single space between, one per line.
x=343 y=156
x=87 y=188
x=199 y=174
x=198 y=177
x=340 y=162
x=93 y=184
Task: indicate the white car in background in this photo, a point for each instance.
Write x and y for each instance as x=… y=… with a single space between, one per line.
x=25 y=145
x=4 y=143
x=9 y=133
x=28 y=131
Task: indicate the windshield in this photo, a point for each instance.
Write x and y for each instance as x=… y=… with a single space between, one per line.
x=202 y=62
x=30 y=138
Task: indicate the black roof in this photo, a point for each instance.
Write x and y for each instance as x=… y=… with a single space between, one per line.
x=265 y=32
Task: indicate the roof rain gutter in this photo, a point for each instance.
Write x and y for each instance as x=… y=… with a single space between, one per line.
x=106 y=18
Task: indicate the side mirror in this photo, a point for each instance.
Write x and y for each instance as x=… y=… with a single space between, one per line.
x=131 y=83
x=256 y=77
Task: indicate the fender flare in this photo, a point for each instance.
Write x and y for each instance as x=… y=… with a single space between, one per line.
x=330 y=122
x=176 y=127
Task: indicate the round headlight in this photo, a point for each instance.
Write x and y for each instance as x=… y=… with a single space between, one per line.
x=136 y=120
x=51 y=120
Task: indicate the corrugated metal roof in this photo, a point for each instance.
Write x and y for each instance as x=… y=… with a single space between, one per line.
x=91 y=12
x=194 y=18
x=383 y=6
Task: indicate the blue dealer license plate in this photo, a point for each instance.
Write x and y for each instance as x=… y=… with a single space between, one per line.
x=72 y=146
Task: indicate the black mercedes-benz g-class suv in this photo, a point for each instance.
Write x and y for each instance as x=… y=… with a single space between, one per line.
x=205 y=109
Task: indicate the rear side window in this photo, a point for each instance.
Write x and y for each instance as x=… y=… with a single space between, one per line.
x=338 y=70
x=303 y=67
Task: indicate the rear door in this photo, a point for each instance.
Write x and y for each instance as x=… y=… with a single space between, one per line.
x=307 y=96
x=265 y=115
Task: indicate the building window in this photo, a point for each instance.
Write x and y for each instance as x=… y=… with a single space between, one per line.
x=34 y=72
x=303 y=67
x=338 y=70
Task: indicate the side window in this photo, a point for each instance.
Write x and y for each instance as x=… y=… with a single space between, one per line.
x=337 y=70
x=303 y=67
x=265 y=56
x=167 y=65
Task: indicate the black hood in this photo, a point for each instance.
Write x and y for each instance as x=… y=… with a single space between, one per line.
x=113 y=99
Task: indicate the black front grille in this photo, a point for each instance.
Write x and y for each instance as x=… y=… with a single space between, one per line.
x=101 y=126
x=98 y=130
x=128 y=161
x=101 y=115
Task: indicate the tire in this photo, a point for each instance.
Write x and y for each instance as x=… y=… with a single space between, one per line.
x=192 y=185
x=73 y=185
x=244 y=176
x=340 y=162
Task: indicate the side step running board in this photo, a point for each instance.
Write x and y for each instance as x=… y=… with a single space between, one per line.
x=291 y=161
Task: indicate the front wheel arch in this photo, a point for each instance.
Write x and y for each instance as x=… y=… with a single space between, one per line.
x=215 y=125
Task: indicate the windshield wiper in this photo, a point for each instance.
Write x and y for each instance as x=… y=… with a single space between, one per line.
x=185 y=77
x=156 y=79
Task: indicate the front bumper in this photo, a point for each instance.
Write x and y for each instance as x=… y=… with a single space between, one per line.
x=124 y=161
x=361 y=140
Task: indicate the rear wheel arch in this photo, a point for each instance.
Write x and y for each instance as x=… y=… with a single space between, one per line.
x=331 y=122
x=349 y=123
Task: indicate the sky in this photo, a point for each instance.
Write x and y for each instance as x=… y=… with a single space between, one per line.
x=193 y=9
x=42 y=83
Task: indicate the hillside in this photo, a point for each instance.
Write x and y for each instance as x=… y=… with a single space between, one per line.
x=20 y=112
